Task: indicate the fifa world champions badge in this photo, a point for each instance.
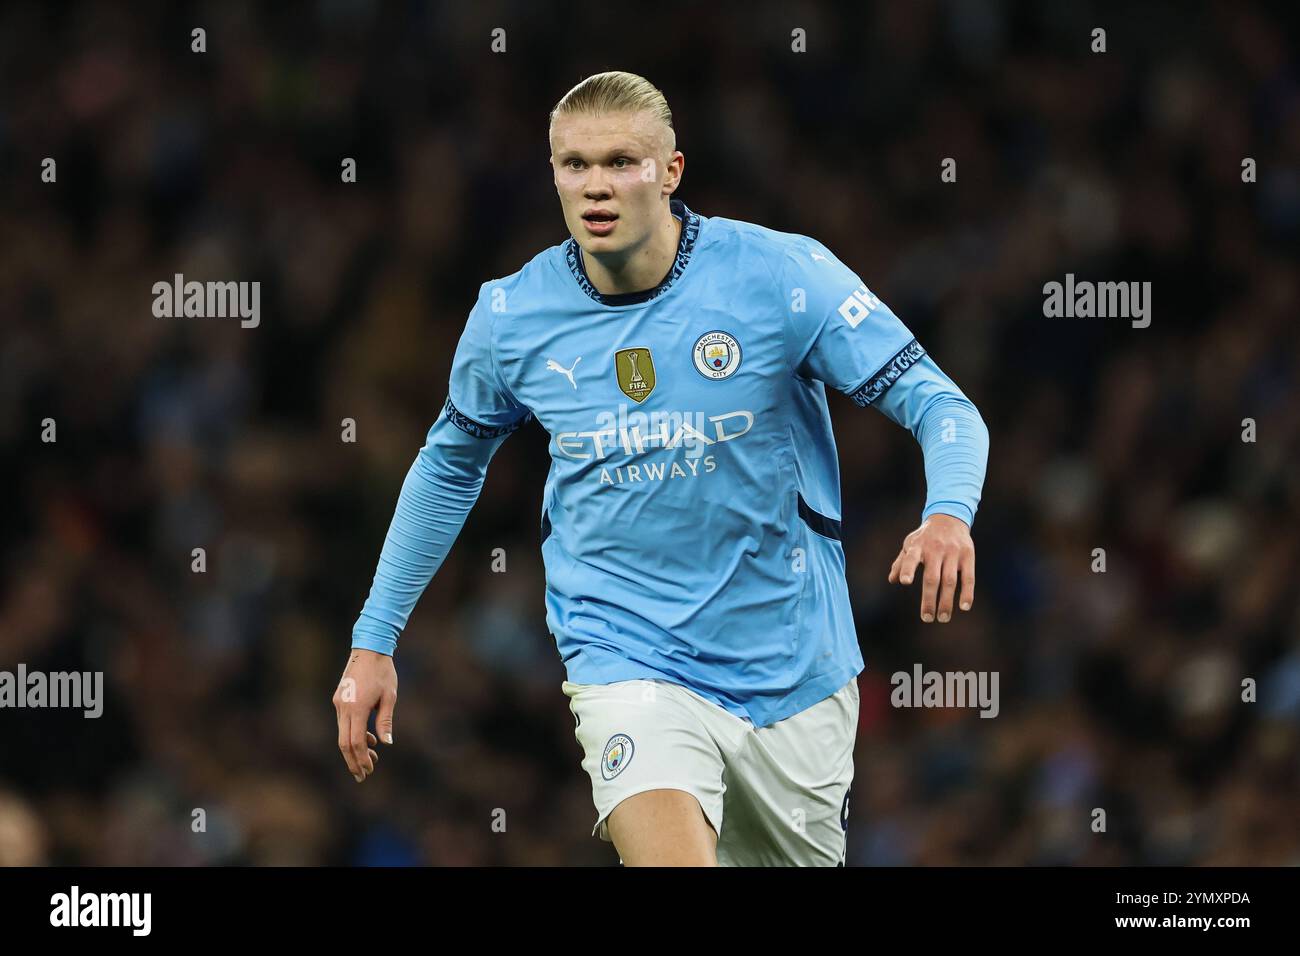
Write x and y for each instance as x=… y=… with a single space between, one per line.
x=636 y=373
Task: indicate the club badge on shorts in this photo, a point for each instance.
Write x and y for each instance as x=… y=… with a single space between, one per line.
x=717 y=355
x=617 y=755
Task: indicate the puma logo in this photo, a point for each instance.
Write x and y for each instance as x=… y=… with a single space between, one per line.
x=555 y=366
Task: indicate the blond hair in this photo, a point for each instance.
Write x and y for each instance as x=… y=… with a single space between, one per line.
x=615 y=92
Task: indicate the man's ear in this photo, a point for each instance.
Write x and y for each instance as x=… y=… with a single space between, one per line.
x=671 y=183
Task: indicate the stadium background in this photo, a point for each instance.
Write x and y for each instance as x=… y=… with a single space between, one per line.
x=1118 y=690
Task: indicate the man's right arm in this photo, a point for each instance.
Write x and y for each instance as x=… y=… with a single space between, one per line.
x=442 y=484
x=440 y=489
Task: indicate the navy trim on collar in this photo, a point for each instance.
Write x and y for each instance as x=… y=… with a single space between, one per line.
x=685 y=245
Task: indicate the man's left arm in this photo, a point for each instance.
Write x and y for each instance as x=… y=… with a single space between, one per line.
x=955 y=443
x=838 y=332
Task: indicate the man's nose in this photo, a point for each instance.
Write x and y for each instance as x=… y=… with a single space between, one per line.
x=596 y=186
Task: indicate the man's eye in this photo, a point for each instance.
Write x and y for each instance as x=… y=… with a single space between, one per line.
x=574 y=164
x=622 y=162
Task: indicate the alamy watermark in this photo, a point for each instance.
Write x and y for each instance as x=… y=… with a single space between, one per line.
x=1101 y=300
x=922 y=688
x=208 y=300
x=130 y=910
x=75 y=689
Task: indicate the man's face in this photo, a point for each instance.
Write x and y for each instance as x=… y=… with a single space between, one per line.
x=612 y=171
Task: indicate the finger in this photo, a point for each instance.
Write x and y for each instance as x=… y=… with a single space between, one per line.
x=384 y=723
x=357 y=741
x=893 y=568
x=370 y=739
x=374 y=759
x=345 y=739
x=930 y=587
x=947 y=588
x=968 y=579
x=911 y=558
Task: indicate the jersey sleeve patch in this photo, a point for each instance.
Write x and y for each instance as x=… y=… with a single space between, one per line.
x=477 y=429
x=879 y=383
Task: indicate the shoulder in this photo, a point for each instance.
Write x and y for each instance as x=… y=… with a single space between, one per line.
x=537 y=287
x=783 y=254
x=538 y=274
x=802 y=271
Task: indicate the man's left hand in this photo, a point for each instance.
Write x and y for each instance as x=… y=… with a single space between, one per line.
x=944 y=546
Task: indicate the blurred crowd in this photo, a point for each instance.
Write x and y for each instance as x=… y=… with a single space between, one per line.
x=1121 y=690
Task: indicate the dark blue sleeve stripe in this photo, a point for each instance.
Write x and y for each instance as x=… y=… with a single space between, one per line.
x=478 y=429
x=879 y=383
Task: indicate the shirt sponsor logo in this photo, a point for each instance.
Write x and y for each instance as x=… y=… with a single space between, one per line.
x=639 y=432
x=860 y=304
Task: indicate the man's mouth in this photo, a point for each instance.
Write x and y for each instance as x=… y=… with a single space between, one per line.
x=599 y=222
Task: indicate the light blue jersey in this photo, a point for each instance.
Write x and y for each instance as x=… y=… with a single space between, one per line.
x=691 y=518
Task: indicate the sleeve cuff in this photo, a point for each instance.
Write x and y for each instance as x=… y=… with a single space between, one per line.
x=954 y=509
x=379 y=645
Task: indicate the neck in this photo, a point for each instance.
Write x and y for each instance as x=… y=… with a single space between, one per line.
x=641 y=267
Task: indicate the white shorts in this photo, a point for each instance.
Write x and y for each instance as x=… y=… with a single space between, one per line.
x=776 y=796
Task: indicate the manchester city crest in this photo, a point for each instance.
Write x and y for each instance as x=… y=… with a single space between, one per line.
x=717 y=355
x=617 y=755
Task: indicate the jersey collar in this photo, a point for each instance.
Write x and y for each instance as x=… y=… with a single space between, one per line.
x=685 y=245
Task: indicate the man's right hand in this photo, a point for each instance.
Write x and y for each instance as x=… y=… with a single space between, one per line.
x=369 y=682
